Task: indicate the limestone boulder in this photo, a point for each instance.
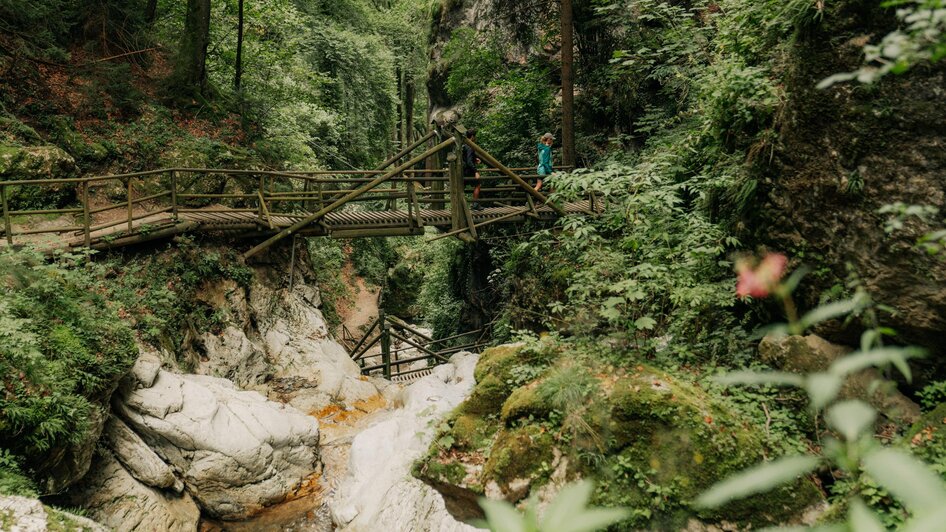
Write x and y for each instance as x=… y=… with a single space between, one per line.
x=310 y=369
x=232 y=355
x=118 y=500
x=810 y=354
x=235 y=451
x=135 y=455
x=22 y=514
x=379 y=490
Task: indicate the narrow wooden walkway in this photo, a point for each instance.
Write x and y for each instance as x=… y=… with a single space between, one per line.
x=404 y=196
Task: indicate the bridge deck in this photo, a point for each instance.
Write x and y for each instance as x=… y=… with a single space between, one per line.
x=341 y=224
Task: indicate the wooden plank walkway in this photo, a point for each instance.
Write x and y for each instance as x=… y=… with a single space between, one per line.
x=404 y=196
x=334 y=224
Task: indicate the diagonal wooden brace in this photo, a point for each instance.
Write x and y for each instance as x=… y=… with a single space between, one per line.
x=345 y=199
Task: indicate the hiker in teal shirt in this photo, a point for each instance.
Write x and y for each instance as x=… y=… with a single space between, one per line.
x=545 y=158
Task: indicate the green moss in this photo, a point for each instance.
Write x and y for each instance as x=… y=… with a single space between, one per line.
x=524 y=452
x=524 y=402
x=447 y=471
x=497 y=362
x=472 y=432
x=674 y=440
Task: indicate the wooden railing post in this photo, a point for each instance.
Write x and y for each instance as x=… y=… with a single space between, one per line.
x=385 y=343
x=456 y=190
x=131 y=207
x=262 y=187
x=174 y=195
x=86 y=218
x=7 y=226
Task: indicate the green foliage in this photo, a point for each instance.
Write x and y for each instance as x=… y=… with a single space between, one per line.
x=473 y=64
x=63 y=349
x=12 y=479
x=328 y=260
x=854 y=452
x=158 y=293
x=920 y=39
x=568 y=512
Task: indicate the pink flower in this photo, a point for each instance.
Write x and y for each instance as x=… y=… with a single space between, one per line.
x=760 y=282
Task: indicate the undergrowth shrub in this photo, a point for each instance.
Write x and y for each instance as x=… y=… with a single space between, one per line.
x=63 y=349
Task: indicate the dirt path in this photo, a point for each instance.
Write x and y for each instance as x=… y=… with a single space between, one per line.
x=362 y=309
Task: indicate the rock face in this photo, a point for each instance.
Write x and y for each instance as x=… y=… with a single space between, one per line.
x=235 y=451
x=810 y=354
x=117 y=499
x=21 y=514
x=379 y=491
x=278 y=343
x=847 y=151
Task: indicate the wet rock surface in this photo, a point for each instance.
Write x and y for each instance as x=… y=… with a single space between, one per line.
x=236 y=451
x=378 y=489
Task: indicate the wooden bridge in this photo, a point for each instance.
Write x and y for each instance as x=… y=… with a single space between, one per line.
x=403 y=196
x=405 y=352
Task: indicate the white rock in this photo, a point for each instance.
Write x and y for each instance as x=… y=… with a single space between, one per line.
x=137 y=457
x=22 y=514
x=378 y=490
x=232 y=355
x=236 y=451
x=116 y=499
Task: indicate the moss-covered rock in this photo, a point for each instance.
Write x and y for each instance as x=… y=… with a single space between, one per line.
x=524 y=403
x=471 y=432
x=37 y=162
x=671 y=441
x=494 y=381
x=63 y=132
x=519 y=459
x=651 y=440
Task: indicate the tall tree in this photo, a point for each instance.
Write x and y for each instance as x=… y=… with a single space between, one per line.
x=568 y=85
x=151 y=11
x=237 y=78
x=192 y=59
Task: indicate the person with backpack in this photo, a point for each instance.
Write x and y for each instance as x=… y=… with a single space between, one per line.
x=545 y=158
x=470 y=162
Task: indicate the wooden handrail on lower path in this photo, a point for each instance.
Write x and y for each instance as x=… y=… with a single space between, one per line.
x=392 y=328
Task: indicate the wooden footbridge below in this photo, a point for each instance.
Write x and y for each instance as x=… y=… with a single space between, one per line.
x=403 y=196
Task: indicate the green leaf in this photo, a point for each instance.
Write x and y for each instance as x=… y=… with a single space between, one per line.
x=822 y=388
x=568 y=512
x=862 y=519
x=829 y=311
x=758 y=479
x=906 y=478
x=851 y=418
x=926 y=522
x=502 y=517
x=646 y=323
x=860 y=360
x=749 y=378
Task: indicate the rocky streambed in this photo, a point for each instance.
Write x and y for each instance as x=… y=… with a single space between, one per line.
x=265 y=424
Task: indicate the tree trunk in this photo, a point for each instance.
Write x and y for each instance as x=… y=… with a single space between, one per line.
x=192 y=60
x=151 y=11
x=409 y=91
x=399 y=130
x=568 y=85
x=237 y=78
